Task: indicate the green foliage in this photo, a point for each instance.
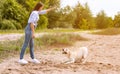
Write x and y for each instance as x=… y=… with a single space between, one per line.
x=102 y=21
x=10 y=24
x=110 y=22
x=30 y=4
x=54 y=15
x=7 y=24
x=53 y=19
x=46 y=3
x=1 y=6
x=22 y=2
x=68 y=17
x=117 y=20
x=61 y=18
x=43 y=22
x=13 y=10
x=84 y=24
x=78 y=17
x=84 y=19
x=16 y=24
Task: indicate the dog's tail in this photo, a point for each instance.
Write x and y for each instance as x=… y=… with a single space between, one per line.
x=89 y=55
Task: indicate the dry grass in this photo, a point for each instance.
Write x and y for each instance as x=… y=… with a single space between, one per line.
x=58 y=39
x=108 y=31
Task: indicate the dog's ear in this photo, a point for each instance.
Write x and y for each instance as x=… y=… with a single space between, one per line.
x=62 y=49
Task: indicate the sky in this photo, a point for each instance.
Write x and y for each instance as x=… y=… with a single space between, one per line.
x=111 y=7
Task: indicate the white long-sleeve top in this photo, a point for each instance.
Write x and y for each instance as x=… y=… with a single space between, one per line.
x=34 y=16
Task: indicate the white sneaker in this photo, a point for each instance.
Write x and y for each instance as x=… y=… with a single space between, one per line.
x=35 y=61
x=22 y=61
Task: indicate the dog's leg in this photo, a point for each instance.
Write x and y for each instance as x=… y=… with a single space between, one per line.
x=70 y=61
x=85 y=56
x=84 y=61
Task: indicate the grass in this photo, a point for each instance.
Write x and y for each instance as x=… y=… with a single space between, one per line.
x=108 y=31
x=59 y=30
x=58 y=39
x=43 y=30
x=8 y=48
x=11 y=31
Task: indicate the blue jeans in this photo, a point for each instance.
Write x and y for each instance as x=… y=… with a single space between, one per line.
x=28 y=41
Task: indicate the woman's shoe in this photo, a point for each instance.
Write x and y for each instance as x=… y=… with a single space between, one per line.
x=35 y=61
x=22 y=61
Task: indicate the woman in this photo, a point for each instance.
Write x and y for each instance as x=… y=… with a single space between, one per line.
x=30 y=32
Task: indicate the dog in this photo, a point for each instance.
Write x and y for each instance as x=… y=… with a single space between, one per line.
x=78 y=54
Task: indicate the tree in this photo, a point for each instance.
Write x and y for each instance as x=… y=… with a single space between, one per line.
x=13 y=11
x=54 y=15
x=54 y=19
x=1 y=7
x=83 y=17
x=117 y=20
x=43 y=22
x=28 y=4
x=110 y=22
x=64 y=18
x=103 y=21
x=78 y=9
x=68 y=16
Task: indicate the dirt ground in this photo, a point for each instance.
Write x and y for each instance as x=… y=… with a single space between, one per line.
x=104 y=58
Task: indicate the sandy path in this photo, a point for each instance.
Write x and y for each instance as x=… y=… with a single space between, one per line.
x=104 y=59
x=4 y=37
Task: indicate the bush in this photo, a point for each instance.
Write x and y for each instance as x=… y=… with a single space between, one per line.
x=10 y=24
x=43 y=22
x=14 y=11
x=7 y=24
x=16 y=24
x=58 y=39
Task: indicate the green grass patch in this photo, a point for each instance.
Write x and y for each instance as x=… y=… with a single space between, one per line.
x=108 y=31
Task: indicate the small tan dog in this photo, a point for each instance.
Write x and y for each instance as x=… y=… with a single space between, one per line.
x=79 y=54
